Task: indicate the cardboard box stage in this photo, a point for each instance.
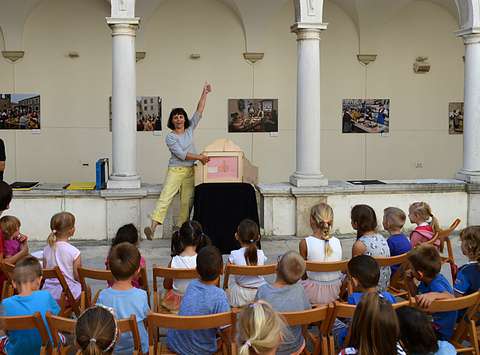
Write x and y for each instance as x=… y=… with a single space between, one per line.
x=227 y=164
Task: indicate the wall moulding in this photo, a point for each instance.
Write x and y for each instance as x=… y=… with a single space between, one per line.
x=13 y=56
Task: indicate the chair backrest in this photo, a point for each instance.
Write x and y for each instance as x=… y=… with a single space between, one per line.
x=256 y=270
x=166 y=272
x=169 y=321
x=443 y=236
x=56 y=273
x=7 y=287
x=392 y=260
x=455 y=304
x=314 y=315
x=67 y=325
x=327 y=266
x=94 y=274
x=27 y=322
x=7 y=269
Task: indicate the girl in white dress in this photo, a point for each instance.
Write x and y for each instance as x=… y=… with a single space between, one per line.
x=321 y=287
x=242 y=289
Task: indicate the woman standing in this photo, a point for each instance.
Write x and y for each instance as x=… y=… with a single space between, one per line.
x=180 y=167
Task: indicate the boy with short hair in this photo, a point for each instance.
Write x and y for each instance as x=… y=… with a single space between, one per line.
x=124 y=262
x=426 y=264
x=398 y=243
x=287 y=295
x=27 y=277
x=202 y=297
x=364 y=273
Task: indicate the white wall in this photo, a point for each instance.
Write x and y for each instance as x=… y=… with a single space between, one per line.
x=75 y=91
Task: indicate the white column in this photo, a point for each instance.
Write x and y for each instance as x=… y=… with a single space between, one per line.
x=124 y=129
x=308 y=107
x=471 y=118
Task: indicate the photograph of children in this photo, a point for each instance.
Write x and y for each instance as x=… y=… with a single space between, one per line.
x=252 y=115
x=149 y=113
x=455 y=118
x=19 y=111
x=366 y=116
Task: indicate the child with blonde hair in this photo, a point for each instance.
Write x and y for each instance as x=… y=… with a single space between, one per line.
x=242 y=289
x=468 y=277
x=10 y=227
x=260 y=329
x=421 y=214
x=393 y=220
x=320 y=246
x=59 y=252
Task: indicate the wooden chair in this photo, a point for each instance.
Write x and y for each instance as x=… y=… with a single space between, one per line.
x=94 y=274
x=67 y=326
x=466 y=327
x=258 y=270
x=165 y=272
x=397 y=286
x=7 y=287
x=333 y=266
x=27 y=322
x=320 y=316
x=443 y=237
x=226 y=321
x=345 y=310
x=68 y=303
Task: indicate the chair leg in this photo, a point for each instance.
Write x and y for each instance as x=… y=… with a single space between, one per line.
x=474 y=337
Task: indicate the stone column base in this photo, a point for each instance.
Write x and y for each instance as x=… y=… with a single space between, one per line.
x=303 y=180
x=472 y=177
x=122 y=182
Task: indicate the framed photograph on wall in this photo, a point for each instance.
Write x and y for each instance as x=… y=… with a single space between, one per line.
x=252 y=115
x=366 y=116
x=20 y=111
x=149 y=113
x=455 y=118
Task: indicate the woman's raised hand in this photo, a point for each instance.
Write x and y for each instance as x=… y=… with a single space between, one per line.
x=207 y=88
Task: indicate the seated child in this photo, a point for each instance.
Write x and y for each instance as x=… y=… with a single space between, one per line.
x=127 y=233
x=321 y=246
x=417 y=335
x=10 y=227
x=27 y=276
x=468 y=277
x=124 y=261
x=374 y=326
x=242 y=289
x=287 y=295
x=393 y=221
x=420 y=214
x=369 y=241
x=59 y=252
x=202 y=297
x=96 y=331
x=201 y=239
x=185 y=257
x=364 y=272
x=260 y=329
x=426 y=264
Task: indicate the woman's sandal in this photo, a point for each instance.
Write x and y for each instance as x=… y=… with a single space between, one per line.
x=148 y=233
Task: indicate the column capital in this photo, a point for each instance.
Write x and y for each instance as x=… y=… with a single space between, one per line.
x=471 y=38
x=306 y=30
x=123 y=26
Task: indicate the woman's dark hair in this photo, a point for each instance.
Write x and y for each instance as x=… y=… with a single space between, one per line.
x=374 y=329
x=127 y=233
x=416 y=332
x=365 y=218
x=249 y=234
x=178 y=111
x=5 y=195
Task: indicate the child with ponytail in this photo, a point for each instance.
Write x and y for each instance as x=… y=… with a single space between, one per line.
x=260 y=329
x=421 y=214
x=320 y=246
x=96 y=331
x=59 y=252
x=242 y=289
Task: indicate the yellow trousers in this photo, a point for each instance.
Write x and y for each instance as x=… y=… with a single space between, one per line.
x=179 y=179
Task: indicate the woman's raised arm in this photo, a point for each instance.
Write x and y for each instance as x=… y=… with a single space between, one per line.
x=207 y=88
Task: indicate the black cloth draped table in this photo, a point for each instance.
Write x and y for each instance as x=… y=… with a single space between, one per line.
x=220 y=207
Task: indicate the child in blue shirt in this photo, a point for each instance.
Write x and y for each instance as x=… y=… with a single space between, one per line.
x=27 y=276
x=393 y=220
x=363 y=274
x=468 y=277
x=124 y=262
x=426 y=264
x=202 y=297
